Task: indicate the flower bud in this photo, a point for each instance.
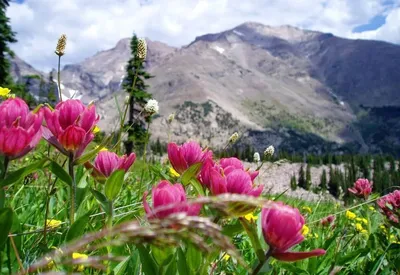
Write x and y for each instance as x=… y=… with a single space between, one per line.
x=256 y=157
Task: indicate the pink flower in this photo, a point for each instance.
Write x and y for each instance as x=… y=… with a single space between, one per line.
x=107 y=162
x=70 y=126
x=281 y=226
x=362 y=188
x=235 y=181
x=328 y=220
x=19 y=128
x=390 y=207
x=227 y=164
x=184 y=156
x=165 y=194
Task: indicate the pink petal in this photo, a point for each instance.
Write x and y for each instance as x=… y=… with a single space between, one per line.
x=176 y=158
x=218 y=183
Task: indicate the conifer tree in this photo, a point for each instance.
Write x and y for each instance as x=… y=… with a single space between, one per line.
x=323 y=182
x=293 y=183
x=308 y=178
x=134 y=84
x=302 y=178
x=6 y=36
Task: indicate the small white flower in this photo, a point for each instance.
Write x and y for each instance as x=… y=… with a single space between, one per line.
x=127 y=98
x=151 y=106
x=234 y=137
x=269 y=152
x=256 y=157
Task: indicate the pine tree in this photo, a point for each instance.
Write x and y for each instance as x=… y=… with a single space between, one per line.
x=293 y=183
x=134 y=85
x=6 y=36
x=308 y=178
x=323 y=182
x=302 y=178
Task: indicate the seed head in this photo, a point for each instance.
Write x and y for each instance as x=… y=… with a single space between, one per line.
x=171 y=118
x=142 y=49
x=62 y=42
x=234 y=137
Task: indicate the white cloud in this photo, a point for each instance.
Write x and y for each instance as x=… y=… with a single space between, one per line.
x=92 y=26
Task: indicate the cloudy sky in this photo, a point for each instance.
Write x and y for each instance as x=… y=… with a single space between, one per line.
x=95 y=25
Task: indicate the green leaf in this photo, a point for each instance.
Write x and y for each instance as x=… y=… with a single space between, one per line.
x=352 y=255
x=193 y=258
x=161 y=255
x=23 y=172
x=293 y=269
x=114 y=184
x=57 y=170
x=190 y=173
x=377 y=264
x=102 y=200
x=197 y=185
x=183 y=269
x=88 y=156
x=231 y=230
x=149 y=266
x=77 y=229
x=6 y=221
x=121 y=267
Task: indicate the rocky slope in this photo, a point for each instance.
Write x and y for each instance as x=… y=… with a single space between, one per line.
x=296 y=89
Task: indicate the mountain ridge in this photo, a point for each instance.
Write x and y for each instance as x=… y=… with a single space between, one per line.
x=272 y=79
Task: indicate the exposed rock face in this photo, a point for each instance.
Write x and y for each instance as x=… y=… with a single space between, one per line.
x=294 y=88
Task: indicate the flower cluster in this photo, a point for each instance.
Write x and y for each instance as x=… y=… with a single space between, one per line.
x=362 y=188
x=390 y=207
x=20 y=129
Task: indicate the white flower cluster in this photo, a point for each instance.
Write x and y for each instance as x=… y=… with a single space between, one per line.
x=151 y=106
x=256 y=157
x=269 y=152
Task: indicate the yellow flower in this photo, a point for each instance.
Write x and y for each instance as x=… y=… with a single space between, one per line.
x=359 y=227
x=96 y=129
x=364 y=231
x=102 y=149
x=372 y=209
x=173 y=173
x=350 y=215
x=363 y=220
x=4 y=92
x=53 y=223
x=50 y=264
x=305 y=230
x=250 y=217
x=307 y=209
x=79 y=256
x=226 y=257
x=393 y=239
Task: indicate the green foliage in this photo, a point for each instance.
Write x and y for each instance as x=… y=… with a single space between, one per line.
x=308 y=178
x=302 y=178
x=134 y=84
x=323 y=182
x=293 y=183
x=7 y=36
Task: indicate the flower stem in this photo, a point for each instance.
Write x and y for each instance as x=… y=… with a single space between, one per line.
x=73 y=187
x=59 y=77
x=122 y=123
x=109 y=226
x=3 y=176
x=146 y=142
x=261 y=263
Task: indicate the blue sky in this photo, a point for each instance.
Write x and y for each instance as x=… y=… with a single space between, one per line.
x=95 y=25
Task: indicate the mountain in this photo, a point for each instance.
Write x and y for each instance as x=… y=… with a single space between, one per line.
x=297 y=89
